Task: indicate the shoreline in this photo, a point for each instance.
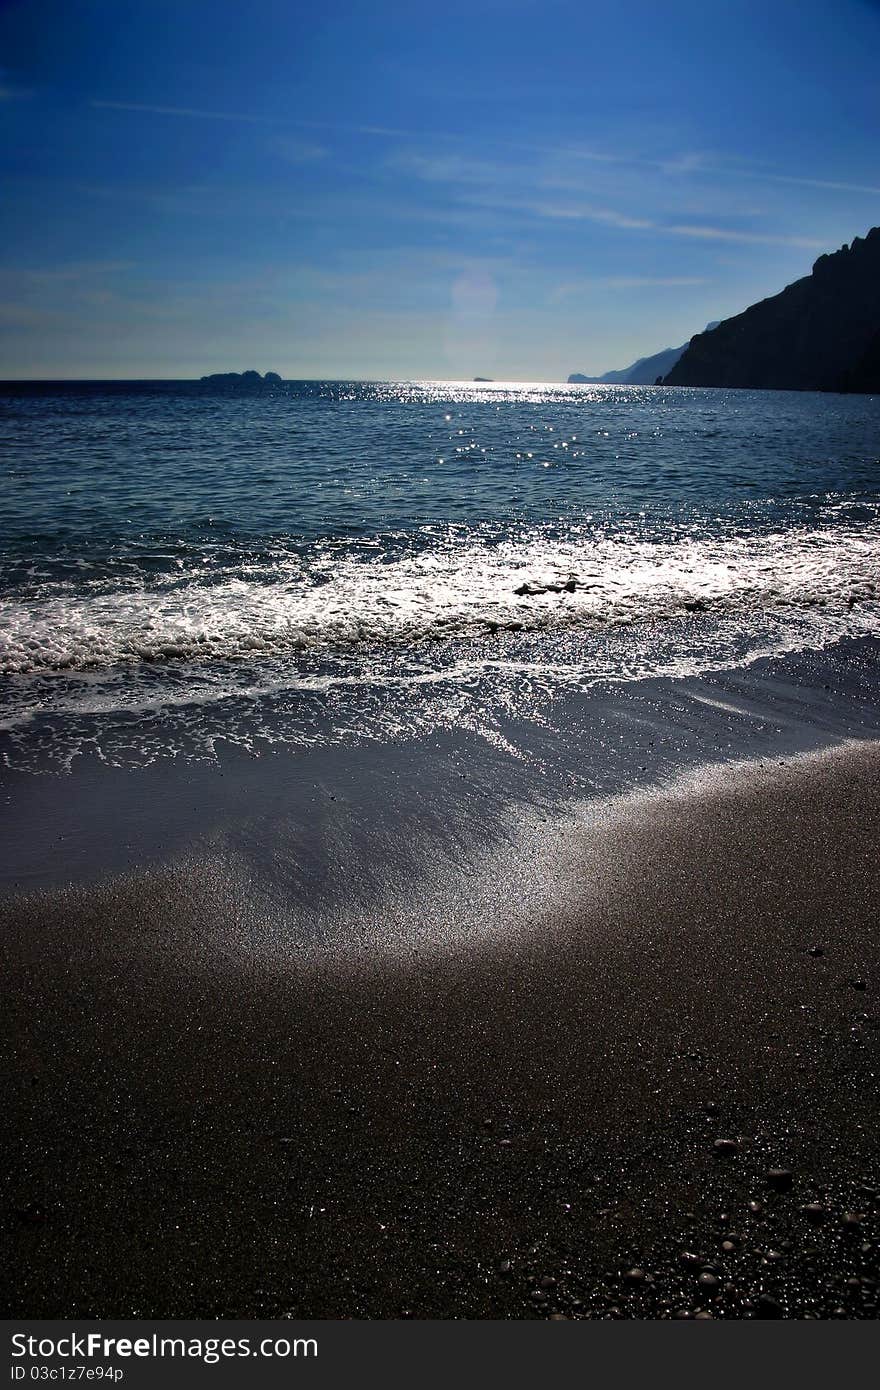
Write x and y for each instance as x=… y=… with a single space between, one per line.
x=317 y=819
x=506 y=1127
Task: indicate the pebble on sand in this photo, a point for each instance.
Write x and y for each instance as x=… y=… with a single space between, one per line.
x=780 y=1179
x=725 y=1147
x=769 y=1307
x=814 y=1211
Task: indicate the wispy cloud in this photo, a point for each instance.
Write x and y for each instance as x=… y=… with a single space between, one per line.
x=488 y=184
x=629 y=282
x=76 y=270
x=10 y=90
x=463 y=168
x=448 y=168
x=542 y=194
x=565 y=211
x=191 y=112
x=38 y=296
x=25 y=316
x=479 y=188
x=728 y=234
x=690 y=163
x=356 y=129
x=250 y=118
x=300 y=151
x=734 y=169
x=560 y=211
x=867 y=188
x=686 y=163
x=572 y=289
x=611 y=218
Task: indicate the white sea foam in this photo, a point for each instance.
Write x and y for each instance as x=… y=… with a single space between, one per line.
x=457 y=587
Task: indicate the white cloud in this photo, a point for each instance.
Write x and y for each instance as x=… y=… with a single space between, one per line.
x=693 y=163
x=626 y=282
x=300 y=151
x=726 y=234
x=75 y=270
x=870 y=189
x=192 y=112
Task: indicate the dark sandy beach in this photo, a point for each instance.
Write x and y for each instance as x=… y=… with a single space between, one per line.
x=205 y=1120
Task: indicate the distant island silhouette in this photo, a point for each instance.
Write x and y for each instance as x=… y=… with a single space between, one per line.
x=821 y=333
x=240 y=381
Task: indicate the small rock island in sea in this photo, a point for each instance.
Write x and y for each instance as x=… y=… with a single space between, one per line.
x=241 y=381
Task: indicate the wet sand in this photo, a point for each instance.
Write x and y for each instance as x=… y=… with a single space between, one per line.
x=411 y=1119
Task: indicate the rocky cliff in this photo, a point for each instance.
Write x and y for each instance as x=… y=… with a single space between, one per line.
x=821 y=333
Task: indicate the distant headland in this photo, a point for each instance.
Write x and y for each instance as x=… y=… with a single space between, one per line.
x=647 y=371
x=821 y=333
x=240 y=381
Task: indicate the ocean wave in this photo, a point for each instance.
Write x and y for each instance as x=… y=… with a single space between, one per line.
x=458 y=586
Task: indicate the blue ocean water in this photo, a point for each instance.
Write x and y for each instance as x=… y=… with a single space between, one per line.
x=359 y=560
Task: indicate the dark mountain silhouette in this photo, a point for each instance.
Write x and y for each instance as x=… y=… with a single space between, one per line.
x=643 y=372
x=865 y=375
x=821 y=333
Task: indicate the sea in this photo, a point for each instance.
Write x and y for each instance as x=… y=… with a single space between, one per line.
x=334 y=563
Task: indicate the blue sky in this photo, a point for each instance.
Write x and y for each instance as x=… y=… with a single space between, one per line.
x=516 y=190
